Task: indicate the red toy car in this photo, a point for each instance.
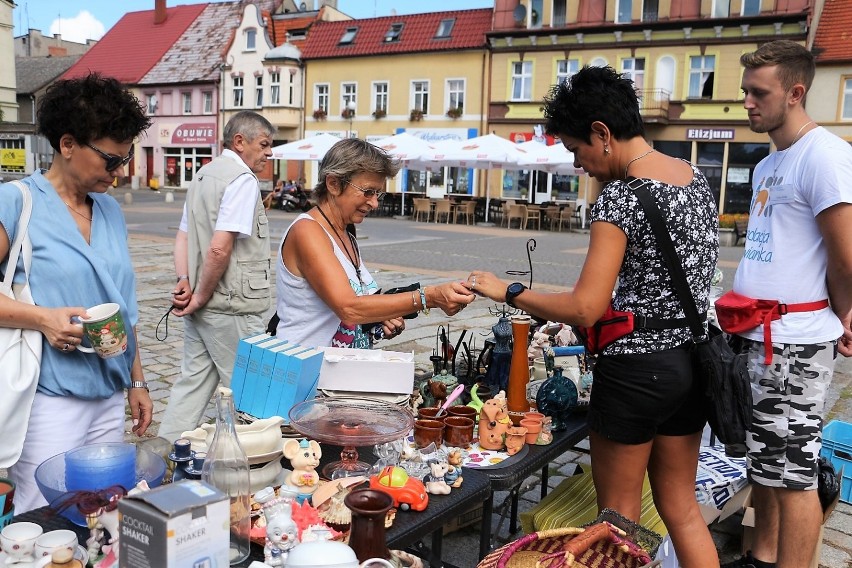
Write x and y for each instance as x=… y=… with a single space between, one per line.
x=407 y=492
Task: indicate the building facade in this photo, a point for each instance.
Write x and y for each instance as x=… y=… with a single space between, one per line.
x=422 y=73
x=683 y=56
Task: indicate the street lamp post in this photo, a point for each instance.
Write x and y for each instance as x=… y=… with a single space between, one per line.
x=350 y=108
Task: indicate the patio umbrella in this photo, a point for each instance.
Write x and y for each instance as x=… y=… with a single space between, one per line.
x=553 y=159
x=310 y=148
x=405 y=148
x=483 y=152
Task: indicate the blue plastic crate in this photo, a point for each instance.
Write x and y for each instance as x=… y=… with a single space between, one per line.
x=837 y=448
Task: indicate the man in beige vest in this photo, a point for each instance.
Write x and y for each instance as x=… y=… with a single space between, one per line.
x=223 y=268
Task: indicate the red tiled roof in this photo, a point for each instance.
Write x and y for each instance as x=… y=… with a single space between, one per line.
x=280 y=27
x=135 y=44
x=833 y=41
x=418 y=34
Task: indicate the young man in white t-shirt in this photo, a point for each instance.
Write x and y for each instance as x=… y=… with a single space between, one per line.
x=798 y=250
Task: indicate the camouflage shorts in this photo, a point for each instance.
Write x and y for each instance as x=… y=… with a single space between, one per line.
x=789 y=401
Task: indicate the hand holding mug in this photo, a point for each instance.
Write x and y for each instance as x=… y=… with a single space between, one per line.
x=104 y=327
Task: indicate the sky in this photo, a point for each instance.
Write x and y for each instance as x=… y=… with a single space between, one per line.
x=78 y=20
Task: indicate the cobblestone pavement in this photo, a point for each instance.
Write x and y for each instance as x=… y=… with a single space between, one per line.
x=388 y=247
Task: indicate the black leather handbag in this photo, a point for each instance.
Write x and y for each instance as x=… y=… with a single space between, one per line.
x=727 y=387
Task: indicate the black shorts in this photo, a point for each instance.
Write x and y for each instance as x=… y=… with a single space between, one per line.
x=635 y=397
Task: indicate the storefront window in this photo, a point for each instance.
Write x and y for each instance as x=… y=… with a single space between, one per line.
x=565 y=187
x=416 y=181
x=681 y=150
x=181 y=164
x=742 y=158
x=458 y=181
x=516 y=184
x=710 y=157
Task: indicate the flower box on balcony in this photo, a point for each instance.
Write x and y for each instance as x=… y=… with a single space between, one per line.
x=416 y=115
x=379 y=113
x=347 y=113
x=455 y=112
x=320 y=114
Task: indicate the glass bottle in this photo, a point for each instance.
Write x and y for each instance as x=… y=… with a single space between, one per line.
x=226 y=468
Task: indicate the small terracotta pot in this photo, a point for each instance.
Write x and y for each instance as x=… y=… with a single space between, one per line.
x=458 y=431
x=427 y=432
x=429 y=412
x=533 y=428
x=534 y=416
x=466 y=411
x=515 y=439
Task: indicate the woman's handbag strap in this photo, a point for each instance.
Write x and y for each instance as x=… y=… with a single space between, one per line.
x=664 y=240
x=20 y=236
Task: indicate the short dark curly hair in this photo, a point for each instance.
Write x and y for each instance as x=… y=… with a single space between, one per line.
x=593 y=94
x=89 y=108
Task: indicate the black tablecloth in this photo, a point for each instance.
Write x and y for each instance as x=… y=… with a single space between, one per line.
x=408 y=526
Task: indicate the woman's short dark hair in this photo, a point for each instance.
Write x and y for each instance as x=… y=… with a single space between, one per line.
x=89 y=108
x=593 y=94
x=352 y=156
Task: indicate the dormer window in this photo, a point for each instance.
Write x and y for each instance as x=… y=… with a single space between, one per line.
x=393 y=33
x=251 y=40
x=445 y=28
x=349 y=36
x=298 y=35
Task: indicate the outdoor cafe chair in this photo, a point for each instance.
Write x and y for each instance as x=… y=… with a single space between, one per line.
x=551 y=216
x=518 y=212
x=443 y=207
x=422 y=208
x=466 y=210
x=505 y=217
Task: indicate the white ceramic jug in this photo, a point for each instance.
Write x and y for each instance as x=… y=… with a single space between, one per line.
x=328 y=554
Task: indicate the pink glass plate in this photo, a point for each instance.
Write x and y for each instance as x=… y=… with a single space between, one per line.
x=350 y=421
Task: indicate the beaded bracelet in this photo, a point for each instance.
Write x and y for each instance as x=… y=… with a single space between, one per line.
x=423 y=309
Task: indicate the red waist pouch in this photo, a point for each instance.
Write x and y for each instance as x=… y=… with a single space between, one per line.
x=612 y=326
x=737 y=313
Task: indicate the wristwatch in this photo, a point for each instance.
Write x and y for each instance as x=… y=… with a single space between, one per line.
x=512 y=292
x=139 y=385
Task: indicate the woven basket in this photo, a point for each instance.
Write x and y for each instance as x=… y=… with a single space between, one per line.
x=599 y=546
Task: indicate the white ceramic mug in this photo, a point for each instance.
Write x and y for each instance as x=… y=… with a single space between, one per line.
x=52 y=541
x=18 y=541
x=105 y=330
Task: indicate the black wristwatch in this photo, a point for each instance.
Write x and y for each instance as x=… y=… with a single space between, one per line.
x=512 y=292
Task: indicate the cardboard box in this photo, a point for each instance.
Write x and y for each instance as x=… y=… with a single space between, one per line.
x=238 y=376
x=245 y=401
x=367 y=370
x=180 y=525
x=279 y=375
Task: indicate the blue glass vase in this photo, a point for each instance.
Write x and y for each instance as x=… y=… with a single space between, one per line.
x=557 y=398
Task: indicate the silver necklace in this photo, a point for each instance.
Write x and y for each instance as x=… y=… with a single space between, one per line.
x=627 y=167
x=776 y=162
x=75 y=211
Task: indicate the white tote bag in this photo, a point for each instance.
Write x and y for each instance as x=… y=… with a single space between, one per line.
x=20 y=349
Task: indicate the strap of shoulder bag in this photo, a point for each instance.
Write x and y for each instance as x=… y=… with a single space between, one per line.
x=20 y=236
x=664 y=241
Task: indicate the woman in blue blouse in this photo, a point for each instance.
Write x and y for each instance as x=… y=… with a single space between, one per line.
x=80 y=259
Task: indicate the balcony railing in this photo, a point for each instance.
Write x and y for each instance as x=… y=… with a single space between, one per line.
x=654 y=104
